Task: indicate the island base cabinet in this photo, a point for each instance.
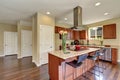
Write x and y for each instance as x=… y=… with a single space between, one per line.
x=87 y=65
x=59 y=70
x=72 y=73
x=69 y=72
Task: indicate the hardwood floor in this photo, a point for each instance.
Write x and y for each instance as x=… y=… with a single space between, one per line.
x=23 y=69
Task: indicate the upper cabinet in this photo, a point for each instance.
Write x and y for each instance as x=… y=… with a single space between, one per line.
x=82 y=34
x=57 y=29
x=109 y=31
x=76 y=35
x=72 y=34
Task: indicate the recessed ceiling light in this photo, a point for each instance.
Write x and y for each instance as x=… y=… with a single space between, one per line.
x=65 y=18
x=97 y=4
x=47 y=12
x=106 y=14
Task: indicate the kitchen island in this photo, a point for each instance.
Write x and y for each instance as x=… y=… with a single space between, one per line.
x=59 y=70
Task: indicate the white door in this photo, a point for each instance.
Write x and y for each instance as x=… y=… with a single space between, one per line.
x=46 y=42
x=26 y=43
x=10 y=43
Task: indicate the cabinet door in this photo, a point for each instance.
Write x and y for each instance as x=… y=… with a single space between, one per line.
x=69 y=34
x=109 y=31
x=76 y=35
x=58 y=29
x=114 y=56
x=83 y=34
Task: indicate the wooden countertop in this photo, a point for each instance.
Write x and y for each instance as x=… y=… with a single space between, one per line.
x=71 y=54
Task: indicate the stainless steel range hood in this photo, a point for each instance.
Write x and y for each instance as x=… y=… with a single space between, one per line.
x=77 y=13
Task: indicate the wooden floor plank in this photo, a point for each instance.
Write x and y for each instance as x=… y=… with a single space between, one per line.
x=12 y=68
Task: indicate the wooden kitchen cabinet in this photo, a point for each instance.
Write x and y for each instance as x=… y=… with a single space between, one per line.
x=58 y=29
x=82 y=34
x=76 y=35
x=114 y=55
x=109 y=31
x=70 y=34
x=59 y=70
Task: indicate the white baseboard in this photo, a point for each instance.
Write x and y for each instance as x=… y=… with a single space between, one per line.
x=37 y=64
x=33 y=61
x=2 y=55
x=19 y=57
x=118 y=60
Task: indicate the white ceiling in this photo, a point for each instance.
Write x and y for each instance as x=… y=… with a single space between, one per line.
x=12 y=11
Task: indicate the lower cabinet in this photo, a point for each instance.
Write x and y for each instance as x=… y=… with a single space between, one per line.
x=72 y=73
x=69 y=73
x=114 y=55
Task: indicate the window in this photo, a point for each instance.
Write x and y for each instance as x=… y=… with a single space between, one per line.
x=95 y=33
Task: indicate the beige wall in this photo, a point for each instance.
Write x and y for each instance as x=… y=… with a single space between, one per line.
x=114 y=42
x=19 y=29
x=63 y=25
x=39 y=19
x=3 y=28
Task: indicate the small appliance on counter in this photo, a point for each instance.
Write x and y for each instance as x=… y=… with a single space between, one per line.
x=76 y=42
x=77 y=47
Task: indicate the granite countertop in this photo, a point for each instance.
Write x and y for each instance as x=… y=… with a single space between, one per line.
x=71 y=54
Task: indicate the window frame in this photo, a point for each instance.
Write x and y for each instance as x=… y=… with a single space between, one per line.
x=96 y=36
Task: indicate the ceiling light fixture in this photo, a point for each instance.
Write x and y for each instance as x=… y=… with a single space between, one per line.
x=106 y=14
x=65 y=18
x=97 y=4
x=47 y=12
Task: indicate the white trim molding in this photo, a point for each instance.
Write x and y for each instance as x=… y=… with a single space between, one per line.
x=37 y=64
x=118 y=61
x=19 y=57
x=2 y=55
